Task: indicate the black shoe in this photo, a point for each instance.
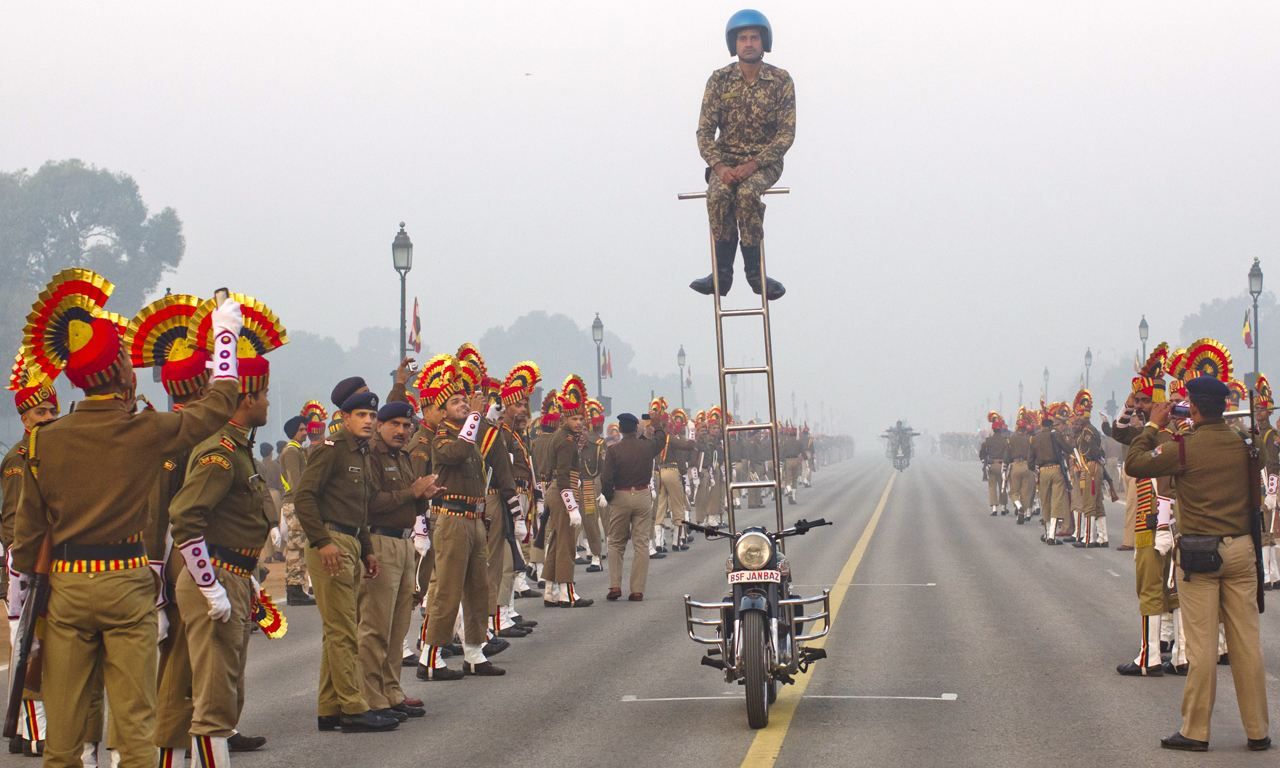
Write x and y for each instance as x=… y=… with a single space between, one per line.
x=238 y=742
x=16 y=745
x=391 y=712
x=327 y=722
x=725 y=252
x=582 y=602
x=514 y=632
x=450 y=650
x=656 y=556
x=581 y=560
x=542 y=583
x=296 y=595
x=409 y=711
x=1259 y=745
x=1178 y=741
x=1172 y=669
x=368 y=722
x=1079 y=544
x=1129 y=669
x=526 y=593
x=524 y=623
x=1223 y=660
x=1052 y=542
x=439 y=673
x=662 y=550
x=1066 y=539
x=593 y=568
x=1021 y=521
x=485 y=669
x=751 y=265
x=409 y=661
x=549 y=603
x=994 y=513
x=494 y=647
x=33 y=748
x=1166 y=646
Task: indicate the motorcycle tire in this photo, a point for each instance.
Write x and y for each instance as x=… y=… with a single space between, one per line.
x=755 y=669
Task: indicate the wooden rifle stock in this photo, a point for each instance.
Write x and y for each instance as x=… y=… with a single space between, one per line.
x=26 y=670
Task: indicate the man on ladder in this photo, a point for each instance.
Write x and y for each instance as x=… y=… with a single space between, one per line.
x=752 y=106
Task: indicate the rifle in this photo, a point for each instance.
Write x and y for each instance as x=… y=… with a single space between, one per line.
x=1253 y=470
x=1111 y=485
x=25 y=671
x=540 y=537
x=509 y=533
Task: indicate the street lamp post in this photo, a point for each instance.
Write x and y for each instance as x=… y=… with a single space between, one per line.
x=1019 y=393
x=1046 y=384
x=1142 y=334
x=402 y=260
x=680 y=361
x=1255 y=290
x=1088 y=363
x=597 y=335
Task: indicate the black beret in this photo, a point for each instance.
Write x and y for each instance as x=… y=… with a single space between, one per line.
x=627 y=422
x=1208 y=387
x=398 y=410
x=292 y=426
x=346 y=388
x=360 y=401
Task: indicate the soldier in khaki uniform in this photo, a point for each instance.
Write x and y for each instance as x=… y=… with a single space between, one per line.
x=397 y=499
x=1022 y=483
x=540 y=452
x=1211 y=472
x=37 y=405
x=1048 y=448
x=746 y=125
x=1269 y=446
x=625 y=483
x=593 y=511
x=513 y=397
x=1088 y=458
x=789 y=455
x=293 y=460
x=563 y=496
x=515 y=421
x=994 y=455
x=671 y=500
x=219 y=522
x=332 y=505
x=101 y=621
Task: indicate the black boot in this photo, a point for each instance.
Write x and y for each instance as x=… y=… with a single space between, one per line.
x=751 y=265
x=725 y=253
x=296 y=595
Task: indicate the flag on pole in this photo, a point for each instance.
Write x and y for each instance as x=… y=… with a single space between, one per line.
x=688 y=377
x=608 y=363
x=1247 y=331
x=415 y=329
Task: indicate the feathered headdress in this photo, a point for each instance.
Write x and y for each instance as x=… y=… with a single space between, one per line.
x=1150 y=378
x=1262 y=389
x=30 y=387
x=160 y=334
x=595 y=412
x=1083 y=403
x=436 y=380
x=261 y=333
x=520 y=381
x=1208 y=357
x=1177 y=365
x=313 y=410
x=550 y=410
x=573 y=395
x=67 y=329
x=468 y=353
x=658 y=404
x=1238 y=390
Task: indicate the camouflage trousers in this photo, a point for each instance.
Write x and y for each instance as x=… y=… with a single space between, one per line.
x=295 y=548
x=736 y=211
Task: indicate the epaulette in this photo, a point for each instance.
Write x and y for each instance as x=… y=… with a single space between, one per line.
x=227 y=443
x=329 y=442
x=22 y=450
x=170 y=465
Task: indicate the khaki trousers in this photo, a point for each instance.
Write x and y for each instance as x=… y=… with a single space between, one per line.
x=461 y=577
x=1022 y=484
x=671 y=499
x=1130 y=512
x=1053 y=496
x=561 y=540
x=996 y=495
x=385 y=607
x=1228 y=597
x=1151 y=574
x=497 y=551
x=218 y=652
x=339 y=691
x=101 y=627
x=173 y=690
x=629 y=520
x=791 y=471
x=593 y=525
x=1089 y=487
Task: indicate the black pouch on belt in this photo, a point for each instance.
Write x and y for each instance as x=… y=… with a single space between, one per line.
x=1199 y=554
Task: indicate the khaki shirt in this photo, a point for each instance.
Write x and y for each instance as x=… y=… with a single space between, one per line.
x=419 y=450
x=1089 y=443
x=458 y=464
x=995 y=447
x=1048 y=446
x=1019 y=447
x=223 y=495
x=11 y=469
x=628 y=464
x=521 y=462
x=541 y=451
x=88 y=480
x=1211 y=472
x=335 y=489
x=754 y=121
x=293 y=460
x=392 y=503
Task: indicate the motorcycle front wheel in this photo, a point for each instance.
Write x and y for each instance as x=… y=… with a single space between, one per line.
x=755 y=669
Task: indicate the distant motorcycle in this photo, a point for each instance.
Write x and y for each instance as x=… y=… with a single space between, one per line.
x=898 y=446
x=759 y=640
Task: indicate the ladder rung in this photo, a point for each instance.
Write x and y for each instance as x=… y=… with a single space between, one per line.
x=749 y=427
x=753 y=484
x=750 y=369
x=701 y=194
x=750 y=312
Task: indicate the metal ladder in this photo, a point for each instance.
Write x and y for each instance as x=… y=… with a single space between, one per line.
x=766 y=370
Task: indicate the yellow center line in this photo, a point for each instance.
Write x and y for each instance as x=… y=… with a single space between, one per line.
x=767 y=743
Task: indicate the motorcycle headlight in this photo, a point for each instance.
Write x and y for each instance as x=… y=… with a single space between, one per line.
x=753 y=550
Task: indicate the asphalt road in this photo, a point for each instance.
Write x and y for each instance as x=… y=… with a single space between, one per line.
x=961 y=640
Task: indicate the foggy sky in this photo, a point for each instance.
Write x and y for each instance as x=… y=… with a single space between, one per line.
x=981 y=190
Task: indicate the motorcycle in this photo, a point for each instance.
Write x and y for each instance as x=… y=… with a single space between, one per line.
x=760 y=627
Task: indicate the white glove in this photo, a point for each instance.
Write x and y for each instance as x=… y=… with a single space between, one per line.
x=521 y=528
x=1269 y=501
x=571 y=504
x=157 y=568
x=421 y=539
x=162 y=625
x=227 y=322
x=541 y=507
x=16 y=596
x=575 y=518
x=494 y=413
x=277 y=539
x=602 y=502
x=219 y=604
x=1164 y=541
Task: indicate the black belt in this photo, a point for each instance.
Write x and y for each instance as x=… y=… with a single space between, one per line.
x=233 y=557
x=123 y=551
x=394 y=533
x=350 y=530
x=456 y=506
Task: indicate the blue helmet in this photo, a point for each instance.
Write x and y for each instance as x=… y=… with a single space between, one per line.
x=742 y=20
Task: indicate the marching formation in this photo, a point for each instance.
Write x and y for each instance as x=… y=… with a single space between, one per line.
x=1199 y=474
x=442 y=498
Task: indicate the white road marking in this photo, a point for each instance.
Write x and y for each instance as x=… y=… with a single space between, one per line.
x=863 y=584
x=631 y=698
x=1113 y=573
x=943 y=697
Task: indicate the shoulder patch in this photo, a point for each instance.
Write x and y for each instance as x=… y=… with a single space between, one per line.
x=227 y=443
x=170 y=465
x=13 y=471
x=22 y=450
x=329 y=442
x=217 y=459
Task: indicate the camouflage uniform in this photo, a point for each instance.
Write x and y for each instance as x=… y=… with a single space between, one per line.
x=756 y=121
x=293 y=459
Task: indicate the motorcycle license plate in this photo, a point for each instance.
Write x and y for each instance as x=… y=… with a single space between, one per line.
x=748 y=577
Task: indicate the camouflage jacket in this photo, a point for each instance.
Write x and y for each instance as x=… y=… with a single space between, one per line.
x=756 y=121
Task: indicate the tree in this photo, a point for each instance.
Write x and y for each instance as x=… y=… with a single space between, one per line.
x=68 y=214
